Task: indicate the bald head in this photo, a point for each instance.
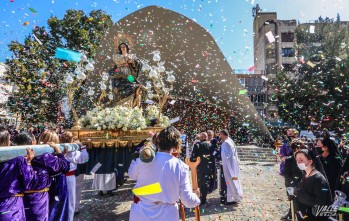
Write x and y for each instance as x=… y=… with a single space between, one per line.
x=204 y=136
x=209 y=134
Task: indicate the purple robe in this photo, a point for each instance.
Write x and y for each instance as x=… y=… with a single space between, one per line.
x=58 y=198
x=15 y=177
x=285 y=151
x=37 y=204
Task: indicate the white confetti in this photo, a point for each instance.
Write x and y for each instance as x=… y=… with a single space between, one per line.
x=265 y=78
x=174 y=120
x=312 y=29
x=149 y=101
x=270 y=37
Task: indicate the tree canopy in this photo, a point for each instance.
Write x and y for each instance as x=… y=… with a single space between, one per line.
x=37 y=75
x=317 y=91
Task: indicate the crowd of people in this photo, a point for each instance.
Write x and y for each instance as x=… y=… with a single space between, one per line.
x=315 y=171
x=40 y=187
x=48 y=186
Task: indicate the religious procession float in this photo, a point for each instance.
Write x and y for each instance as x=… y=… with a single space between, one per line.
x=125 y=112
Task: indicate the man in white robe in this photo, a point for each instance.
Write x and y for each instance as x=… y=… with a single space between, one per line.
x=171 y=174
x=231 y=169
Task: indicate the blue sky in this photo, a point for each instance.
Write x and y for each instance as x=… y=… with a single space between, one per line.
x=229 y=21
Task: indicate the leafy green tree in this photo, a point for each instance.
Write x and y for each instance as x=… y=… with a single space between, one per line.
x=318 y=91
x=37 y=75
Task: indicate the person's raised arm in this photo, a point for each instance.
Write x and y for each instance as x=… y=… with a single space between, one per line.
x=186 y=194
x=133 y=171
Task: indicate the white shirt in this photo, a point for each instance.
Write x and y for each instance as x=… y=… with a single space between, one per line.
x=173 y=176
x=76 y=157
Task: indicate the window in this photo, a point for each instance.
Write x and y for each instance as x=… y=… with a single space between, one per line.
x=251 y=82
x=270 y=69
x=252 y=97
x=260 y=98
x=270 y=52
x=287 y=52
x=242 y=81
x=260 y=88
x=287 y=37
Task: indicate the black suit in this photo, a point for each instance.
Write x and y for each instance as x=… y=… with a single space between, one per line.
x=205 y=169
x=213 y=183
x=332 y=165
x=292 y=174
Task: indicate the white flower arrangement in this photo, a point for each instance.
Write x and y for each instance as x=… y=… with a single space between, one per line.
x=164 y=121
x=111 y=118
x=152 y=112
x=121 y=117
x=136 y=120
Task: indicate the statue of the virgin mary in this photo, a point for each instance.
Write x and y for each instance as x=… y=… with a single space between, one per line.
x=124 y=74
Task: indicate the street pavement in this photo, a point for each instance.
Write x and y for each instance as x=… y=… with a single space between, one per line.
x=264 y=199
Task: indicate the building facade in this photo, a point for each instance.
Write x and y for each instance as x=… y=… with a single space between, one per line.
x=255 y=87
x=273 y=50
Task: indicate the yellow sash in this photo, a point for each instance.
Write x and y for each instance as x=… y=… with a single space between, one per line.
x=147 y=190
x=19 y=194
x=37 y=191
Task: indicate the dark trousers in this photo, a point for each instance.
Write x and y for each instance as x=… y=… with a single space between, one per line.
x=223 y=187
x=203 y=183
x=212 y=178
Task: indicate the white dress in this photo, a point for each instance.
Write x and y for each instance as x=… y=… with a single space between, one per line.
x=121 y=62
x=231 y=171
x=173 y=176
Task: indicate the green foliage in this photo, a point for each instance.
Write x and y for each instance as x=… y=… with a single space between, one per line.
x=319 y=93
x=38 y=76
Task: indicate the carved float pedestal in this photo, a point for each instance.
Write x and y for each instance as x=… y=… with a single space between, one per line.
x=113 y=138
x=112 y=149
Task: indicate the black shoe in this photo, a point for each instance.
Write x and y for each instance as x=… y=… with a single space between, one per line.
x=100 y=193
x=76 y=213
x=110 y=193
